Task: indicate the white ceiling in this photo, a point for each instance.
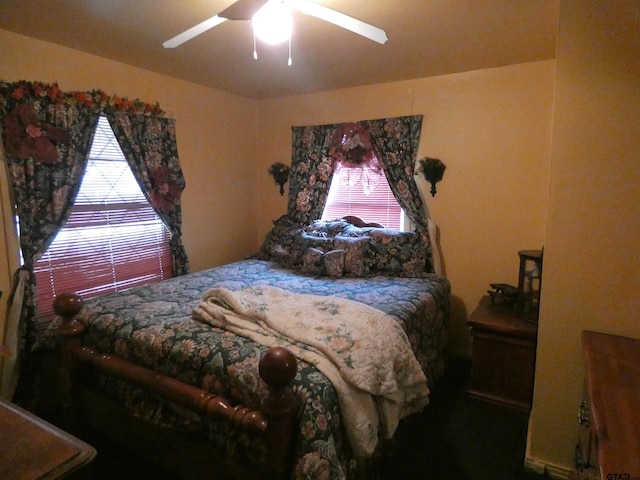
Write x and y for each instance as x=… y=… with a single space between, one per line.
x=426 y=38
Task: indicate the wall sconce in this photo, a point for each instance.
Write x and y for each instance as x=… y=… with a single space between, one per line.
x=433 y=170
x=280 y=173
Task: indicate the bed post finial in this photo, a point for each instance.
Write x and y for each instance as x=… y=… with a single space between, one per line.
x=67 y=306
x=278 y=366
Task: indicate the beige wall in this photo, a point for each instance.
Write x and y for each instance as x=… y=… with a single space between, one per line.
x=492 y=128
x=592 y=261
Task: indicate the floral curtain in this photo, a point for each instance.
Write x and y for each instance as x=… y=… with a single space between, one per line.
x=47 y=135
x=395 y=142
x=149 y=145
x=311 y=172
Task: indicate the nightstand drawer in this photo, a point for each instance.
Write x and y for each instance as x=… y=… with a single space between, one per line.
x=503 y=357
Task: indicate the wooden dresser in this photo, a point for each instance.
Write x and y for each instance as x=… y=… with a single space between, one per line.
x=34 y=449
x=609 y=446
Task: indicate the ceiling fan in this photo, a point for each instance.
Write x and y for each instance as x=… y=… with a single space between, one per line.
x=246 y=9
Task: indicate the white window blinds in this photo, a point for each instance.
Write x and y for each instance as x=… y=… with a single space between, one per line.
x=113 y=240
x=364 y=193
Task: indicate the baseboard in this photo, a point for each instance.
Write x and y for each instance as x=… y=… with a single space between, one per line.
x=555 y=472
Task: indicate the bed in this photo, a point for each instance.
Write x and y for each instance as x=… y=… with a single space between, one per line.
x=144 y=368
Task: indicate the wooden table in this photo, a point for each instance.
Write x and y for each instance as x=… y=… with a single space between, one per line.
x=31 y=448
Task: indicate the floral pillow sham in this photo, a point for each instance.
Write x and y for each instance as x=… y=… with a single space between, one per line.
x=365 y=251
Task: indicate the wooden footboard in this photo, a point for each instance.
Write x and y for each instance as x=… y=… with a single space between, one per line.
x=274 y=420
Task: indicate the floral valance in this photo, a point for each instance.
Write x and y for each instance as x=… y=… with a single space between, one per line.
x=30 y=91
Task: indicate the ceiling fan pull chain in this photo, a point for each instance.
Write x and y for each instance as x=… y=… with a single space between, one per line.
x=255 y=50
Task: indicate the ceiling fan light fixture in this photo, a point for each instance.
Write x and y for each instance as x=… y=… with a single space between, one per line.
x=273 y=23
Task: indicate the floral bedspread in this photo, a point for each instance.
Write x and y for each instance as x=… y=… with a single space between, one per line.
x=153 y=326
x=361 y=350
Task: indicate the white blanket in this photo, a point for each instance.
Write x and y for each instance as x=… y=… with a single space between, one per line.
x=362 y=351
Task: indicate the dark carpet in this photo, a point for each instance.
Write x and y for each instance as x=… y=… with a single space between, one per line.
x=458 y=439
x=453 y=439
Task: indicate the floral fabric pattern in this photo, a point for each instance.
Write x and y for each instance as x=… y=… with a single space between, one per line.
x=44 y=179
x=356 y=261
x=333 y=263
x=311 y=172
x=402 y=254
x=361 y=350
x=26 y=136
x=152 y=326
x=149 y=144
x=395 y=143
x=278 y=244
x=319 y=263
x=367 y=250
x=49 y=133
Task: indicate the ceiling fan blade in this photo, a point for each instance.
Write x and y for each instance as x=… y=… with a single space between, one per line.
x=242 y=9
x=193 y=32
x=340 y=19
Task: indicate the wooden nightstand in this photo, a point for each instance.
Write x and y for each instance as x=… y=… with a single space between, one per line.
x=503 y=356
x=35 y=449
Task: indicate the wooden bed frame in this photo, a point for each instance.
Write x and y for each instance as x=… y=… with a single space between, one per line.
x=183 y=456
x=177 y=453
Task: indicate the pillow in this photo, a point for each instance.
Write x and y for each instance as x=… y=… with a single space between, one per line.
x=334 y=263
x=326 y=228
x=357 y=254
x=304 y=241
x=400 y=254
x=353 y=231
x=317 y=262
x=278 y=243
x=312 y=261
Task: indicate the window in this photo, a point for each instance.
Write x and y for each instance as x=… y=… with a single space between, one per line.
x=113 y=239
x=364 y=193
